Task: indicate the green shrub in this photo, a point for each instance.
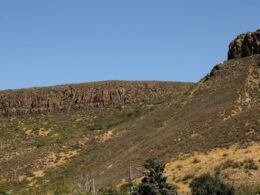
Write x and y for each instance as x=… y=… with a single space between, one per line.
x=35 y=129
x=41 y=143
x=208 y=185
x=2 y=192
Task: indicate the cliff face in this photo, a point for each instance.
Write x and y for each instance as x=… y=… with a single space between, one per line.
x=82 y=96
x=245 y=45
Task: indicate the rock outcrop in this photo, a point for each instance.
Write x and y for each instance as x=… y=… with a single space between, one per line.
x=67 y=98
x=245 y=45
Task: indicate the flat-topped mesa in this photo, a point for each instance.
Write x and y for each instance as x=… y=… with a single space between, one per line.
x=244 y=45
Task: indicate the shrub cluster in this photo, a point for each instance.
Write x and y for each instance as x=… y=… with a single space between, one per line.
x=208 y=185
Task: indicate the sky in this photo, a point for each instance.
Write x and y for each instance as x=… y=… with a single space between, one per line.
x=52 y=42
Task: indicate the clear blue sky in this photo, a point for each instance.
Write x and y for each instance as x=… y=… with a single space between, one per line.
x=52 y=42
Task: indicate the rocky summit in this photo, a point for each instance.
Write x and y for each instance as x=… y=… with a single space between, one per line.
x=244 y=45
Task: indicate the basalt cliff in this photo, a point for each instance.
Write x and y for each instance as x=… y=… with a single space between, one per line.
x=85 y=96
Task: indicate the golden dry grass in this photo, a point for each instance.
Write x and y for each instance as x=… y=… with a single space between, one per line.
x=199 y=163
x=51 y=161
x=104 y=137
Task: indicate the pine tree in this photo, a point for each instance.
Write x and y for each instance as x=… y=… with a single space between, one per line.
x=154 y=183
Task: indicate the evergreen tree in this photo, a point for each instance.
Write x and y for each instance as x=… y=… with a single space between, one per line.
x=154 y=183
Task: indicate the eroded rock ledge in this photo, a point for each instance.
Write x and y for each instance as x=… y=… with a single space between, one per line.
x=245 y=45
x=83 y=96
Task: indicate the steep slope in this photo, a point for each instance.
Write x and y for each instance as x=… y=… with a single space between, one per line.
x=222 y=109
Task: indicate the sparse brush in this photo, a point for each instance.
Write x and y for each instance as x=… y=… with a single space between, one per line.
x=248 y=190
x=195 y=161
x=230 y=164
x=249 y=164
x=187 y=177
x=179 y=167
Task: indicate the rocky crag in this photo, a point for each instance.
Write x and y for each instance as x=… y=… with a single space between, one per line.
x=244 y=45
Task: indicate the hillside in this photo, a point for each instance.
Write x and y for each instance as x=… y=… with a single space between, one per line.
x=51 y=136
x=44 y=129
